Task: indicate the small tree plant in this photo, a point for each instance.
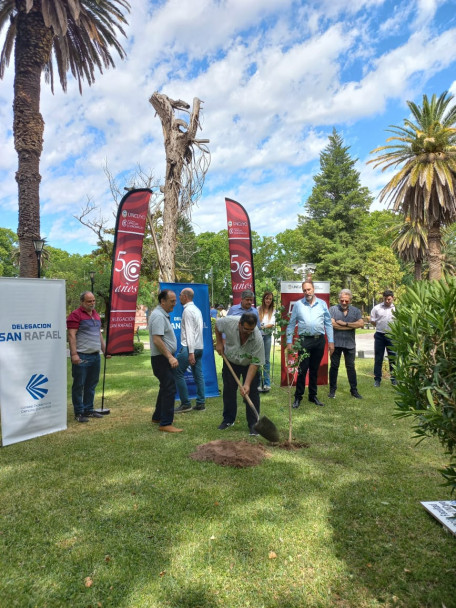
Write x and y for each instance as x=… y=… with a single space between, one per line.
x=424 y=336
x=295 y=355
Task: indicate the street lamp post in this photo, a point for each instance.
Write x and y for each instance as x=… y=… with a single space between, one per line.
x=38 y=244
x=367 y=290
x=92 y=279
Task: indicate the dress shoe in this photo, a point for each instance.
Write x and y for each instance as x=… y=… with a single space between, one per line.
x=93 y=414
x=169 y=429
x=296 y=403
x=332 y=394
x=316 y=401
x=356 y=395
x=377 y=384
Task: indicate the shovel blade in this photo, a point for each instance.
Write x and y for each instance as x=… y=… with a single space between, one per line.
x=267 y=429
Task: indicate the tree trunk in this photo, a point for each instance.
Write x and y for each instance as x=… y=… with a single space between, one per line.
x=32 y=50
x=434 y=251
x=419 y=270
x=178 y=138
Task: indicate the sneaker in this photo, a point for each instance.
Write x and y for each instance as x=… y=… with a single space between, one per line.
x=199 y=408
x=296 y=403
x=377 y=383
x=81 y=418
x=261 y=390
x=266 y=389
x=332 y=394
x=253 y=432
x=93 y=414
x=356 y=395
x=394 y=381
x=224 y=425
x=182 y=408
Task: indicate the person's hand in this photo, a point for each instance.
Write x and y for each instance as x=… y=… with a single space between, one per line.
x=75 y=359
x=245 y=390
x=107 y=356
x=173 y=362
x=331 y=347
x=219 y=348
x=191 y=358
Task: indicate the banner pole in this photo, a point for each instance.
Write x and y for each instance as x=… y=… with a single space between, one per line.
x=102 y=410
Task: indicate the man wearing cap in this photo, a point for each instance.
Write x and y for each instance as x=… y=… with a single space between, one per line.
x=246 y=305
x=312 y=317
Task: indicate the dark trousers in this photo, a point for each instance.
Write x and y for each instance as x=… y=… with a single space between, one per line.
x=381 y=341
x=230 y=388
x=315 y=348
x=349 y=358
x=164 y=407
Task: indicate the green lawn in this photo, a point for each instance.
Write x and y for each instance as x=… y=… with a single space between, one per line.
x=115 y=514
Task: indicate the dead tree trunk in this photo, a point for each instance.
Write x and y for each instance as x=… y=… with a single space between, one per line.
x=179 y=138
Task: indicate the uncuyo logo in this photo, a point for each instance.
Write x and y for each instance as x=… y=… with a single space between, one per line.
x=35 y=388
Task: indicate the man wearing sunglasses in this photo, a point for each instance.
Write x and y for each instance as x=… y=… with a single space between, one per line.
x=345 y=320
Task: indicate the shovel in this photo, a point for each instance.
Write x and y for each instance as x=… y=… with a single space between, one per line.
x=265 y=427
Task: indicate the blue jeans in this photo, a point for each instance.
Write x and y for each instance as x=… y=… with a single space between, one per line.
x=381 y=341
x=197 y=373
x=85 y=380
x=266 y=377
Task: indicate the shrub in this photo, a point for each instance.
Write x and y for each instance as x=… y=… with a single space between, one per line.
x=138 y=348
x=424 y=336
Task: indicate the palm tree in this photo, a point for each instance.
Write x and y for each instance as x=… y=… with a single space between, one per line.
x=411 y=244
x=80 y=34
x=424 y=188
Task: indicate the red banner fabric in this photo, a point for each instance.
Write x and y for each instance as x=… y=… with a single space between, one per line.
x=126 y=266
x=240 y=245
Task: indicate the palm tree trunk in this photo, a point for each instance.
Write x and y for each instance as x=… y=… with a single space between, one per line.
x=419 y=270
x=32 y=50
x=434 y=251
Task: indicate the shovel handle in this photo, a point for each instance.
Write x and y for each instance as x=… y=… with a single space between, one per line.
x=246 y=397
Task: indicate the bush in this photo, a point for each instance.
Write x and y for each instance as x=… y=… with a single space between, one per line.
x=138 y=348
x=424 y=336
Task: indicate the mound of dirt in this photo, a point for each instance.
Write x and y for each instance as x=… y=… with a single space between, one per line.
x=238 y=454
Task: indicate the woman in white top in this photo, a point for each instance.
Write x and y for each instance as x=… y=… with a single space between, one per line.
x=266 y=313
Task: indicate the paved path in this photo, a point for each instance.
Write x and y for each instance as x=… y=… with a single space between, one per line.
x=365 y=344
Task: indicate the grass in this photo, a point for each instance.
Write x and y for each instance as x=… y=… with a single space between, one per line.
x=114 y=514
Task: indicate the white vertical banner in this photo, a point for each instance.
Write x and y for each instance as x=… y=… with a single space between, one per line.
x=33 y=358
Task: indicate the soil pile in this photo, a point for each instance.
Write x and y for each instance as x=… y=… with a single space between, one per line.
x=238 y=454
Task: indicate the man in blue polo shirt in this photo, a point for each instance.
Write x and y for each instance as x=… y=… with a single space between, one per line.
x=311 y=315
x=245 y=305
x=85 y=342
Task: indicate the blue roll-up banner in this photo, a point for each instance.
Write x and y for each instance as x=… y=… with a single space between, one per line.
x=201 y=300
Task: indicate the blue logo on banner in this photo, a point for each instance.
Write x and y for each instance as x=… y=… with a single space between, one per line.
x=34 y=386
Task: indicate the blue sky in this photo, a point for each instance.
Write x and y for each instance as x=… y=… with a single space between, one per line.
x=275 y=76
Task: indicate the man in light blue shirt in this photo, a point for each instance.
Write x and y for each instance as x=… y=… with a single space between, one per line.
x=312 y=317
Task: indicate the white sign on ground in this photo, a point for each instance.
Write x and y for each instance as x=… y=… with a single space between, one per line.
x=33 y=376
x=444 y=511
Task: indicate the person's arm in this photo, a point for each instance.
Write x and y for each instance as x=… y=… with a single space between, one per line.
x=329 y=329
x=103 y=346
x=344 y=325
x=291 y=327
x=161 y=346
x=373 y=317
x=219 y=346
x=191 y=323
x=251 y=372
x=75 y=359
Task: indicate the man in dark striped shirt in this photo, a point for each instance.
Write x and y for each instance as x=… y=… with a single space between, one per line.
x=345 y=320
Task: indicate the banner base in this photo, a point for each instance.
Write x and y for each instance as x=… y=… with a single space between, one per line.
x=105 y=412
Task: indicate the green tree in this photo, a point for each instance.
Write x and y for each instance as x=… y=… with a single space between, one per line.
x=8 y=251
x=410 y=243
x=336 y=212
x=80 y=32
x=384 y=271
x=73 y=268
x=424 y=188
x=212 y=256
